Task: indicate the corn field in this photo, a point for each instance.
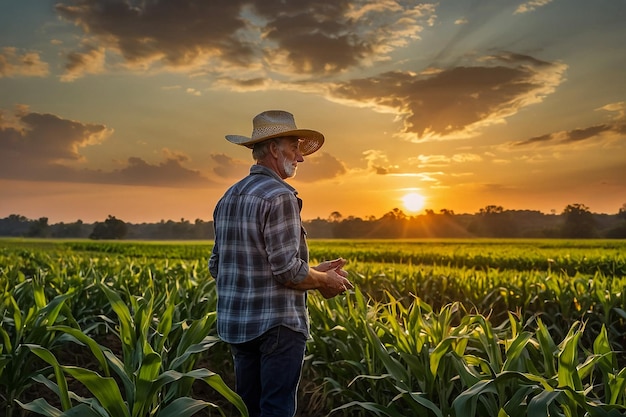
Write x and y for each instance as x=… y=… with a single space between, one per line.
x=433 y=328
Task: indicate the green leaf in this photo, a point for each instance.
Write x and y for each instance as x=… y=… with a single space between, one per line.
x=49 y=313
x=41 y=406
x=515 y=351
x=438 y=353
x=92 y=344
x=568 y=360
x=38 y=294
x=378 y=409
x=548 y=348
x=465 y=404
x=425 y=402
x=81 y=410
x=148 y=372
x=105 y=389
x=47 y=356
x=124 y=317
x=7 y=340
x=216 y=382
x=393 y=366
x=184 y=407
x=125 y=375
x=195 y=334
x=165 y=325
x=193 y=349
x=540 y=404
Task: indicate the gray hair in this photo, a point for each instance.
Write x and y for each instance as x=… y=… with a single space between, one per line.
x=261 y=149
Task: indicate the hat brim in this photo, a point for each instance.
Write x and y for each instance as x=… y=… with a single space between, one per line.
x=311 y=139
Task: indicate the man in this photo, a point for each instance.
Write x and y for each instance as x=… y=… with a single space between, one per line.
x=260 y=264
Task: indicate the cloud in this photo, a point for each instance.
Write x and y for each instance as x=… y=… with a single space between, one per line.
x=615 y=128
x=46 y=137
x=304 y=37
x=316 y=167
x=173 y=33
x=378 y=162
x=227 y=167
x=530 y=6
x=321 y=166
x=456 y=102
x=169 y=173
x=46 y=147
x=28 y=64
x=90 y=61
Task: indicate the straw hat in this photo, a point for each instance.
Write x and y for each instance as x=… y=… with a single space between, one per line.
x=277 y=123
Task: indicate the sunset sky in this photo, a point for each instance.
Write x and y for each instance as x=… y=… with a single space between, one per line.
x=120 y=107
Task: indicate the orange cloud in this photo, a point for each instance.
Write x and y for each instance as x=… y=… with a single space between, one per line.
x=27 y=64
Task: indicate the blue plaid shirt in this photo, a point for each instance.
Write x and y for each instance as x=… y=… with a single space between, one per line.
x=259 y=246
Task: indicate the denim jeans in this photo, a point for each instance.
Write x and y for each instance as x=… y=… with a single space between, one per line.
x=267 y=372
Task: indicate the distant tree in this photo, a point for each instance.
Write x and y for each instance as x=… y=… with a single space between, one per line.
x=578 y=222
x=619 y=231
x=622 y=212
x=494 y=221
x=111 y=228
x=491 y=209
x=395 y=214
x=75 y=229
x=14 y=225
x=335 y=216
x=319 y=228
x=39 y=228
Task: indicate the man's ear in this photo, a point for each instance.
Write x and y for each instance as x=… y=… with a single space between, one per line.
x=274 y=148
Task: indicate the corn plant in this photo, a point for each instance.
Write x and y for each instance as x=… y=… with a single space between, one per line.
x=452 y=363
x=26 y=318
x=155 y=372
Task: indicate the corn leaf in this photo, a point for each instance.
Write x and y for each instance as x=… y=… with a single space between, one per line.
x=184 y=407
x=41 y=406
x=105 y=389
x=47 y=356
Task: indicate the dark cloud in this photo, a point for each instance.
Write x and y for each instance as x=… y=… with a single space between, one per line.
x=46 y=137
x=318 y=38
x=453 y=102
x=575 y=135
x=177 y=32
x=227 y=167
x=321 y=166
x=304 y=37
x=169 y=173
x=37 y=147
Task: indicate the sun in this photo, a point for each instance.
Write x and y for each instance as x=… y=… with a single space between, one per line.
x=413 y=201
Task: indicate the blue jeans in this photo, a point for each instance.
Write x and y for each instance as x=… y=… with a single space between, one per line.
x=267 y=372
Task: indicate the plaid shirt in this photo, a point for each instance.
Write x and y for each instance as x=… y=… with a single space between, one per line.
x=259 y=245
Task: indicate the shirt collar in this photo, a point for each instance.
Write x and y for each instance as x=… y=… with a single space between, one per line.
x=263 y=170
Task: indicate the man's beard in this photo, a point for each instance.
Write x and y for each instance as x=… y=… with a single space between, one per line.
x=290 y=169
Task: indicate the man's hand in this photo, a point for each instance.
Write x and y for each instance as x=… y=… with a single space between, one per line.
x=336 y=264
x=328 y=278
x=336 y=282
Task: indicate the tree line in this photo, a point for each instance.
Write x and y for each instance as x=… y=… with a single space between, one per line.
x=575 y=222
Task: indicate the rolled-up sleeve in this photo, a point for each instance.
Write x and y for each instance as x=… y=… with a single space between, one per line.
x=283 y=237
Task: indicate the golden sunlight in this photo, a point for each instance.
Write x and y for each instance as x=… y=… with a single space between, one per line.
x=413 y=201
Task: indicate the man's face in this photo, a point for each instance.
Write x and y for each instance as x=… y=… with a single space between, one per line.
x=290 y=154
